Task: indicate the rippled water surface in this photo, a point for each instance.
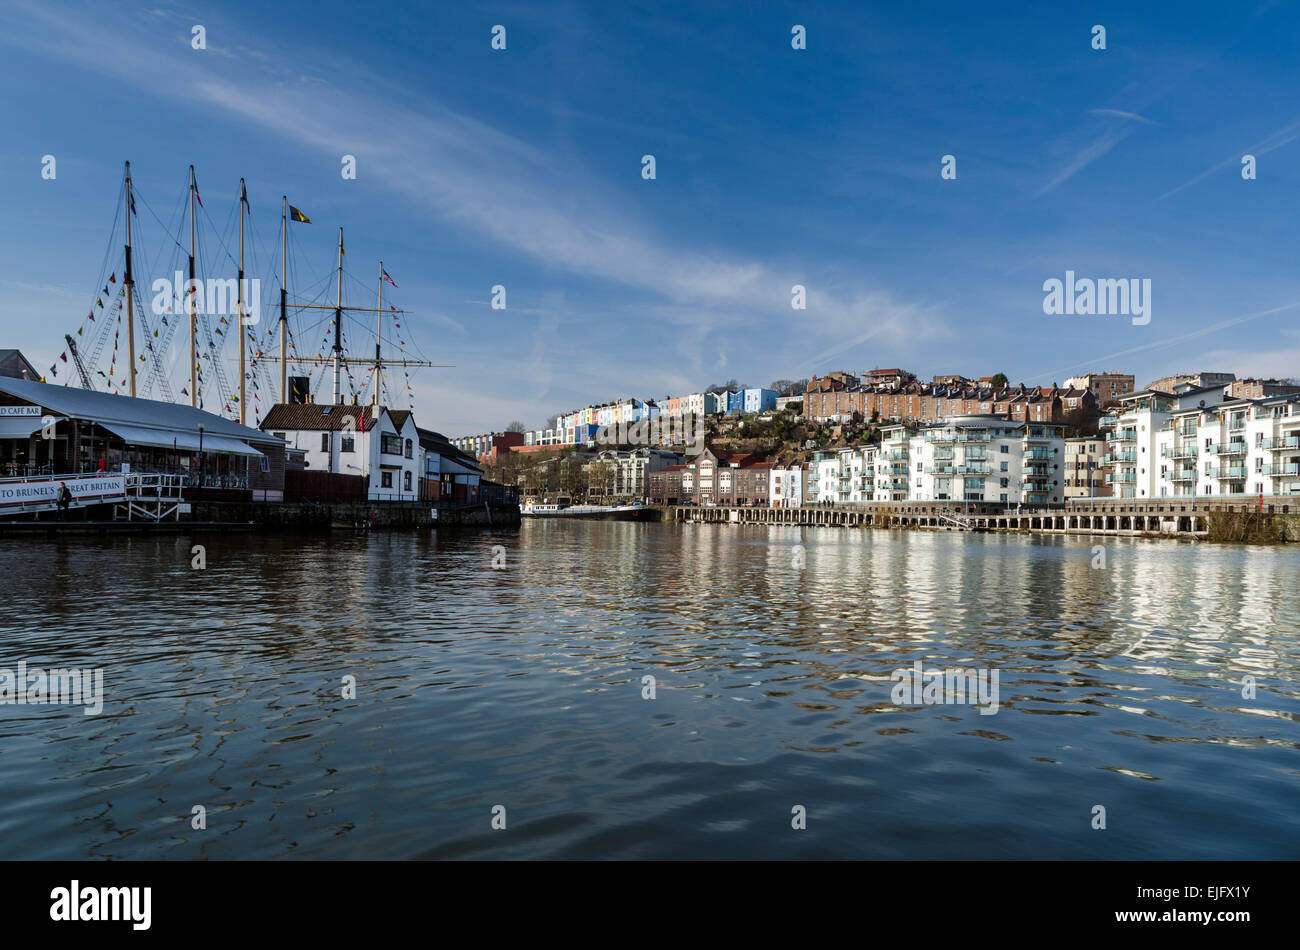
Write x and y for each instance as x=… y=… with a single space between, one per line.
x=1119 y=686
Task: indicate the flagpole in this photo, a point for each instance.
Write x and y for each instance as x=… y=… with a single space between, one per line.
x=379 y=330
x=189 y=307
x=128 y=284
x=338 y=328
x=239 y=317
x=284 y=278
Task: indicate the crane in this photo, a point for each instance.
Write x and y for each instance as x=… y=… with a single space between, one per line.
x=76 y=358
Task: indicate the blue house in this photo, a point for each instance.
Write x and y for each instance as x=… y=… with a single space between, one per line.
x=759 y=400
x=735 y=403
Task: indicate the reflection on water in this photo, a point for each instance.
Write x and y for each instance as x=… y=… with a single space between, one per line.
x=522 y=687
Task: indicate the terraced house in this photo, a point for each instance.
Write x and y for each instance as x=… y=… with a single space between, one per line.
x=714 y=478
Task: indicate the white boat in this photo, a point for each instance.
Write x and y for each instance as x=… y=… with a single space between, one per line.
x=607 y=512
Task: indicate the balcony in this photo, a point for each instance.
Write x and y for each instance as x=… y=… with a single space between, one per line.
x=942 y=437
x=895 y=455
x=1187 y=451
x=1282 y=468
x=897 y=484
x=897 y=469
x=1227 y=448
x=1289 y=442
x=943 y=455
x=973 y=468
x=1037 y=454
x=1117 y=478
x=942 y=469
x=1182 y=475
x=1122 y=435
x=1119 y=455
x=975 y=437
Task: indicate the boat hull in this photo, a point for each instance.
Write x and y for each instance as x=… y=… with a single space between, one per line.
x=630 y=513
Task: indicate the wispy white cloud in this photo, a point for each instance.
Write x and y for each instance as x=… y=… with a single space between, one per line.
x=1121 y=114
x=1283 y=136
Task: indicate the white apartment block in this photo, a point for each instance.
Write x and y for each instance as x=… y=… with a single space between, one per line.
x=1239 y=447
x=972 y=458
x=1132 y=460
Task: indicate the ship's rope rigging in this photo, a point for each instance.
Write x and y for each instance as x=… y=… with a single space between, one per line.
x=101 y=338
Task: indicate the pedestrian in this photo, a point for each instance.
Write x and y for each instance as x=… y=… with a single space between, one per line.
x=65 y=500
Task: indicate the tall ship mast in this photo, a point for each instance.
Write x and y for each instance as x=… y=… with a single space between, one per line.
x=105 y=355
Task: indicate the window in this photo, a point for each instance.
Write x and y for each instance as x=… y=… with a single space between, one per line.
x=347 y=444
x=266 y=464
x=278 y=435
x=406 y=479
x=408 y=452
x=391 y=445
x=386 y=480
x=1003 y=450
x=324 y=441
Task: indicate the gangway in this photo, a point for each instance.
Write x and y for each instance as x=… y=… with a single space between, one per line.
x=958 y=521
x=151 y=497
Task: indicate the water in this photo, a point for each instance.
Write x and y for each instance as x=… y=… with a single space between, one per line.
x=522 y=687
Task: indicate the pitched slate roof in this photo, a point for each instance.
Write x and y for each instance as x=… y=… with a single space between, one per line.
x=317 y=417
x=432 y=441
x=94 y=406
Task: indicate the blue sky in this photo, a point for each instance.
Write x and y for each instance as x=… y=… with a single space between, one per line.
x=774 y=167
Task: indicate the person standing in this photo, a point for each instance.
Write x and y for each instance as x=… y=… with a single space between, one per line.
x=65 y=500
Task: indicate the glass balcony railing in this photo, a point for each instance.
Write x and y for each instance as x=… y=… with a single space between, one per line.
x=1122 y=435
x=1289 y=442
x=1282 y=468
x=1178 y=451
x=1227 y=448
x=974 y=437
x=1183 y=475
x=1037 y=454
x=1113 y=478
x=942 y=469
x=973 y=468
x=1119 y=455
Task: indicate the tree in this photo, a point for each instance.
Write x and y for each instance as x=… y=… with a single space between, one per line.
x=515 y=427
x=999 y=381
x=789 y=387
x=730 y=386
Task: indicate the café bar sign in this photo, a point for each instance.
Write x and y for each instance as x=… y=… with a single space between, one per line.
x=9 y=412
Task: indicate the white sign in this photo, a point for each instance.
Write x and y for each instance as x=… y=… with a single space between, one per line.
x=10 y=411
x=84 y=490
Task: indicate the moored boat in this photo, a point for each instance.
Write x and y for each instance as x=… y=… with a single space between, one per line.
x=598 y=512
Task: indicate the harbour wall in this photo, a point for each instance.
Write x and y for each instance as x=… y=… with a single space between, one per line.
x=386 y=516
x=1177 y=518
